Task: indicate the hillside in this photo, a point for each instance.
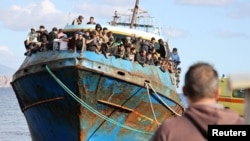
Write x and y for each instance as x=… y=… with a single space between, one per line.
x=5 y=70
x=5 y=76
x=5 y=81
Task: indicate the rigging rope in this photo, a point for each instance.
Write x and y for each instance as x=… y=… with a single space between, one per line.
x=165 y=104
x=151 y=105
x=91 y=108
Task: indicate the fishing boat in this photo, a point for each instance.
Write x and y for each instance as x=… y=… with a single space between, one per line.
x=87 y=96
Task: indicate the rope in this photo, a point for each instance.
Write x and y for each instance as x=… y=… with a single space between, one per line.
x=165 y=104
x=151 y=105
x=84 y=104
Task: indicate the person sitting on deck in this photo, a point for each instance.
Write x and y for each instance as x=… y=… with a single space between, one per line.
x=31 y=43
x=43 y=37
x=78 y=20
x=91 y=20
x=201 y=90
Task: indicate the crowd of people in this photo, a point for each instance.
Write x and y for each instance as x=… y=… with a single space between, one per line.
x=102 y=41
x=201 y=86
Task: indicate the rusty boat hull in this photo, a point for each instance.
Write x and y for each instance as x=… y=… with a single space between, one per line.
x=65 y=96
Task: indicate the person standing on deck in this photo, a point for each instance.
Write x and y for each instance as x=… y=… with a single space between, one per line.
x=201 y=89
x=175 y=57
x=80 y=44
x=161 y=50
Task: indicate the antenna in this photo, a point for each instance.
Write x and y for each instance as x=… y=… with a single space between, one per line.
x=68 y=18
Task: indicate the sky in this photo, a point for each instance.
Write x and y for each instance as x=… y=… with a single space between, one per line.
x=213 y=31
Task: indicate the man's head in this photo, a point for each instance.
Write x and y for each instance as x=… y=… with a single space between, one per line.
x=201 y=81
x=80 y=17
x=91 y=19
x=33 y=30
x=42 y=28
x=153 y=39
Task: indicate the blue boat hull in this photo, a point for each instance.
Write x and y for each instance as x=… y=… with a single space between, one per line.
x=89 y=99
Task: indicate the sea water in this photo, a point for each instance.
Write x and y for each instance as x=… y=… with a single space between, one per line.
x=13 y=125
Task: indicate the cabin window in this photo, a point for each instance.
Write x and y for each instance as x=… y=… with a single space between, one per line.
x=238 y=93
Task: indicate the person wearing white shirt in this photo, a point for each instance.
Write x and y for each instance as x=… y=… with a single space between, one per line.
x=61 y=43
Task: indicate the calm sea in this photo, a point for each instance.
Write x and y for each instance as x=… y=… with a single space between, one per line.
x=13 y=126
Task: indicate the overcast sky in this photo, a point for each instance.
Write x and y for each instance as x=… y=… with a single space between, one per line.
x=215 y=31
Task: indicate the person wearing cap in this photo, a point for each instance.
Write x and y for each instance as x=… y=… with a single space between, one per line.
x=78 y=20
x=31 y=42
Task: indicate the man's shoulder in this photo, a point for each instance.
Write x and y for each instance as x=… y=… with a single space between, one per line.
x=175 y=121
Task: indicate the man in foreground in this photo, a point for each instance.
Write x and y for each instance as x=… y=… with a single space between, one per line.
x=201 y=89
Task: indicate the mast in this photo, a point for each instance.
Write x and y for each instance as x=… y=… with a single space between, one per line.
x=134 y=14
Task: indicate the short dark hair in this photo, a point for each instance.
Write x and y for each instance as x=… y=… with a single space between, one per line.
x=80 y=17
x=54 y=29
x=42 y=26
x=201 y=80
